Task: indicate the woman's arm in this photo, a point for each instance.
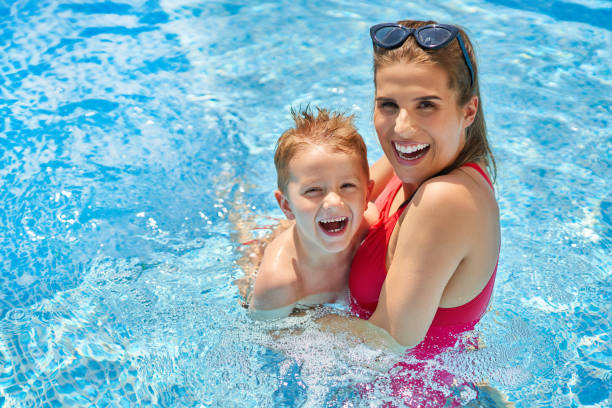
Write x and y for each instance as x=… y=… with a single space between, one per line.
x=374 y=336
x=434 y=238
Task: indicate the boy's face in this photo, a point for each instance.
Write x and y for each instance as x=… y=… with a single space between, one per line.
x=326 y=194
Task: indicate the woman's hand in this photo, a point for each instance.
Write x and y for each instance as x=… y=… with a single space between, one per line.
x=362 y=330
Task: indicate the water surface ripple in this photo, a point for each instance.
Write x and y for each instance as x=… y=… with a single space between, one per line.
x=136 y=143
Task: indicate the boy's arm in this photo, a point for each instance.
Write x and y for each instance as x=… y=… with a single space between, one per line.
x=275 y=291
x=252 y=255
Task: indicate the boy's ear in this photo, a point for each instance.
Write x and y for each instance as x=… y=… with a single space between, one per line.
x=370 y=189
x=283 y=203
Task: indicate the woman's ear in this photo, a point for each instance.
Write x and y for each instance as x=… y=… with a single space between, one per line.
x=283 y=203
x=470 y=110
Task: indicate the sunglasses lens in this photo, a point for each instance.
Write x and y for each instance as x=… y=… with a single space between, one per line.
x=390 y=37
x=433 y=37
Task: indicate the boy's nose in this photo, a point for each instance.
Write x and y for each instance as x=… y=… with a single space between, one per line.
x=332 y=199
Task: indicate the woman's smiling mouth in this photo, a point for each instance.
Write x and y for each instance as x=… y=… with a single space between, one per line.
x=410 y=151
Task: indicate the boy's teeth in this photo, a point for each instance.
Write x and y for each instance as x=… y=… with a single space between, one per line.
x=334 y=224
x=338 y=219
x=410 y=149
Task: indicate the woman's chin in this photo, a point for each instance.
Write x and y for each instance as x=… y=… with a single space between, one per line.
x=410 y=175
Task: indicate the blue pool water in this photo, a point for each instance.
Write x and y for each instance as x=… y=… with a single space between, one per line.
x=136 y=142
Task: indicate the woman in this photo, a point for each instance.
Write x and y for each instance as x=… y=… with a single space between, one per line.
x=425 y=271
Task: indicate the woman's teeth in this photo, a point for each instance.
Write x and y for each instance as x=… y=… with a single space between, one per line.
x=333 y=224
x=411 y=152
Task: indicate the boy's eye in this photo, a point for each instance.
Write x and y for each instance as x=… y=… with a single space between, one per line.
x=348 y=185
x=312 y=190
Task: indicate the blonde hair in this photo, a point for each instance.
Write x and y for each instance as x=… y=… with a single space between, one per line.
x=450 y=59
x=324 y=128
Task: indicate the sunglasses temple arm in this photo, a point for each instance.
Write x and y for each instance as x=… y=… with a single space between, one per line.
x=466 y=57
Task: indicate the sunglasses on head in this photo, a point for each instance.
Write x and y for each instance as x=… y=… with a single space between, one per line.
x=429 y=37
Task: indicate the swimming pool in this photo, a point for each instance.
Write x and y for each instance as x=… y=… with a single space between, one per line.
x=136 y=136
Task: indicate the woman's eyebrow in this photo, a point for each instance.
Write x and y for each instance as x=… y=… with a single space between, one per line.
x=420 y=98
x=426 y=98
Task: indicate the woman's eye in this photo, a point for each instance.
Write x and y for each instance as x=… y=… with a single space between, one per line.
x=388 y=106
x=426 y=105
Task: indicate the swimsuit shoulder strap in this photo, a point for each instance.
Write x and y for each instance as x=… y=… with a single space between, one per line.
x=386 y=197
x=476 y=167
x=397 y=185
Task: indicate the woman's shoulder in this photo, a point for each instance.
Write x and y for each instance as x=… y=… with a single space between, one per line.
x=458 y=199
x=462 y=188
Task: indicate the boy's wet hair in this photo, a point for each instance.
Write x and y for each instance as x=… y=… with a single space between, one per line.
x=323 y=128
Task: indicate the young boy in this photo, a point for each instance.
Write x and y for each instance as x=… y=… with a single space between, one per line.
x=324 y=186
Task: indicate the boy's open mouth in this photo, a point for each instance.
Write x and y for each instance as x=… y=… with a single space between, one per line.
x=333 y=225
x=411 y=152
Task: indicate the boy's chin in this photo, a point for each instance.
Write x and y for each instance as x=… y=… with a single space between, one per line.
x=336 y=247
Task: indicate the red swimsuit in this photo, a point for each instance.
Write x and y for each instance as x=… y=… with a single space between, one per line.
x=368 y=272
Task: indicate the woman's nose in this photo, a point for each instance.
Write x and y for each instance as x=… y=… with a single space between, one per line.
x=403 y=124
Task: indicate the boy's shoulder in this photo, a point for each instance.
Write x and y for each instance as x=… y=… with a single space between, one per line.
x=277 y=283
x=279 y=261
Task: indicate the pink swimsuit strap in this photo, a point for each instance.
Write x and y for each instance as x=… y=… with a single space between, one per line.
x=480 y=170
x=393 y=187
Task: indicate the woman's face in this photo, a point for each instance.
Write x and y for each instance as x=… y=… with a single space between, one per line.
x=420 y=126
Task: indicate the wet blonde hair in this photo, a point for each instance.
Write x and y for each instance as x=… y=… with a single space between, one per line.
x=450 y=59
x=323 y=128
